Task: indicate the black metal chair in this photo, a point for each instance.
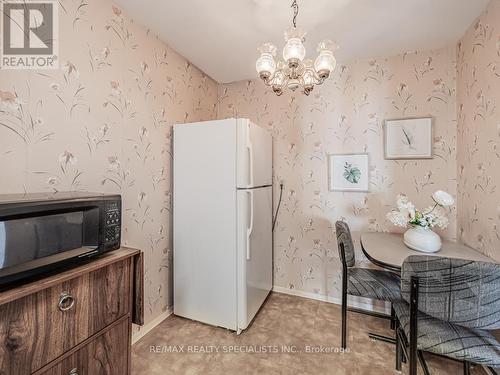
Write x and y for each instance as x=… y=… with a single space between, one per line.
x=449 y=307
x=362 y=282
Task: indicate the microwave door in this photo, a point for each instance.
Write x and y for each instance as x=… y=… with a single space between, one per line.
x=40 y=240
x=26 y=267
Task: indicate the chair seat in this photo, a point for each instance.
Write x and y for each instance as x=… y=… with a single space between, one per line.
x=376 y=284
x=451 y=340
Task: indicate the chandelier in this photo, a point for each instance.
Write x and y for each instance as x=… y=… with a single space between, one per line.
x=295 y=72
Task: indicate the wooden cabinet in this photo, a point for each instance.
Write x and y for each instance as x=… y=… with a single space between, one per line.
x=110 y=295
x=107 y=354
x=34 y=328
x=76 y=318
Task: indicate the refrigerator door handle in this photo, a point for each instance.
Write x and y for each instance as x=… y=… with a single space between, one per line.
x=250 y=156
x=250 y=228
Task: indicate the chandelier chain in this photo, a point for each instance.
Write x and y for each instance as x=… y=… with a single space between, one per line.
x=295 y=7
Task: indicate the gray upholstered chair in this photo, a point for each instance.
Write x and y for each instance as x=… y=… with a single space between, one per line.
x=449 y=307
x=361 y=282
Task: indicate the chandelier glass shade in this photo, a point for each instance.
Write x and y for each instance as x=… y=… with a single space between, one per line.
x=294 y=71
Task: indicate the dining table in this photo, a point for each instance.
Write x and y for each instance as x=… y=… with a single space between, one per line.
x=387 y=250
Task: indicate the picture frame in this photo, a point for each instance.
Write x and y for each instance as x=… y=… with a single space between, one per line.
x=349 y=172
x=408 y=138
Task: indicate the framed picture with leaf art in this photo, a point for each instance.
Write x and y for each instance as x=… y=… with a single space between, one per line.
x=348 y=172
x=408 y=138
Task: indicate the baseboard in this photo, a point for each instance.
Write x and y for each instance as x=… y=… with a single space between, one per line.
x=144 y=330
x=360 y=303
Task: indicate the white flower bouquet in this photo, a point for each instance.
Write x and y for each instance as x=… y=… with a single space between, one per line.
x=431 y=217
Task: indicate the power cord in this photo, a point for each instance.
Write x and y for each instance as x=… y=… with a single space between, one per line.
x=278 y=208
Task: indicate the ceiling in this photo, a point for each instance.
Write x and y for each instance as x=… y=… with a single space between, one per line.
x=221 y=37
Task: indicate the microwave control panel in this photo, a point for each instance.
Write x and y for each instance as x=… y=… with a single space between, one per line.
x=113 y=222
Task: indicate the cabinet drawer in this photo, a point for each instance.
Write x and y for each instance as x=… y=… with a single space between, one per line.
x=40 y=327
x=105 y=355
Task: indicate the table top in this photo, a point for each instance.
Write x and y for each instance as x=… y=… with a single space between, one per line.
x=387 y=250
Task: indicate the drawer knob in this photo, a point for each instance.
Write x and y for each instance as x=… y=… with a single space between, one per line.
x=74 y=372
x=66 y=302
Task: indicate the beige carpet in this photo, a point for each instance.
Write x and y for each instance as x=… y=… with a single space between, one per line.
x=284 y=323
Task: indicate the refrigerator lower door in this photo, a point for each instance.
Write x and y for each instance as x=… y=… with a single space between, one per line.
x=255 y=257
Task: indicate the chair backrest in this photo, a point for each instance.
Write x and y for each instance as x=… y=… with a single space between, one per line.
x=458 y=291
x=344 y=238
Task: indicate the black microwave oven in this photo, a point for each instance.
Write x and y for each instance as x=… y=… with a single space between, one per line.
x=41 y=232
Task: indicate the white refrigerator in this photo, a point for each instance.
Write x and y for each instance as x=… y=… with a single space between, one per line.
x=222 y=221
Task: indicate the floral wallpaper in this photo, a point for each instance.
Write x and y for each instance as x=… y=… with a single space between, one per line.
x=346 y=115
x=478 y=98
x=103 y=123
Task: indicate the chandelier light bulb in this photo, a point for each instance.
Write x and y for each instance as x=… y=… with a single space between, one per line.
x=278 y=82
x=308 y=74
x=279 y=78
x=294 y=51
x=325 y=62
x=293 y=84
x=265 y=64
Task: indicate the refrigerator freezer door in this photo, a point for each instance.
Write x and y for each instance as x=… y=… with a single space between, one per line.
x=255 y=155
x=255 y=257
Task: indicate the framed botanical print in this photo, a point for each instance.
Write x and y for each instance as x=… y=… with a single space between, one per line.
x=408 y=138
x=348 y=172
